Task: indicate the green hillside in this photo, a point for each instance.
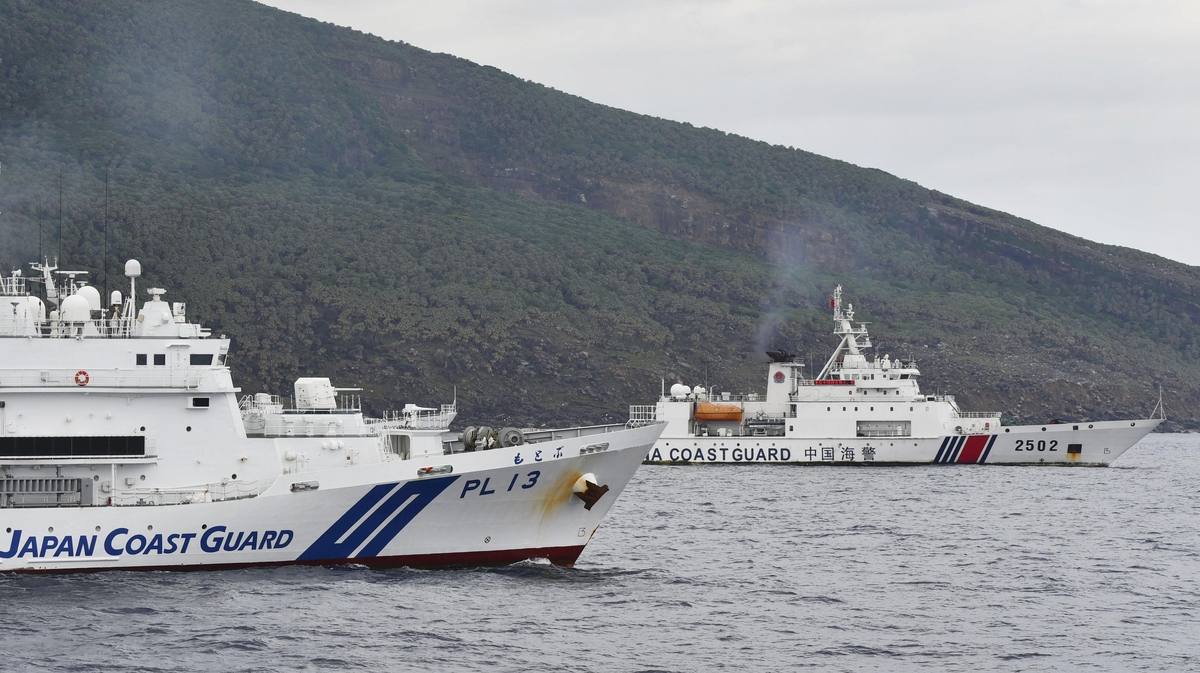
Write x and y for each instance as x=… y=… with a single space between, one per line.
x=418 y=224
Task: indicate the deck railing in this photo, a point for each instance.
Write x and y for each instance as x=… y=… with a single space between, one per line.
x=642 y=414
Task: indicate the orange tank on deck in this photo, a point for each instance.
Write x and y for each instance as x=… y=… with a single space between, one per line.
x=718 y=412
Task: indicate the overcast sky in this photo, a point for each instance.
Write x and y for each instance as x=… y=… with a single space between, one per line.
x=1079 y=115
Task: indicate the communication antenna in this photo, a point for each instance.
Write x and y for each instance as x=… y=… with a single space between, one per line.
x=104 y=263
x=60 y=200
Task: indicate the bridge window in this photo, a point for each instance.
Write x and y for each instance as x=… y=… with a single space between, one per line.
x=160 y=358
x=201 y=358
x=71 y=447
x=141 y=358
x=199 y=402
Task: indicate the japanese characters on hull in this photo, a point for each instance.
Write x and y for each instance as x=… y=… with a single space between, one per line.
x=124 y=445
x=862 y=410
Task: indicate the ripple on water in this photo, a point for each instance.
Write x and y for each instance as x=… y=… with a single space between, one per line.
x=955 y=569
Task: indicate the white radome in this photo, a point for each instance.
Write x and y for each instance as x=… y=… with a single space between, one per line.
x=861 y=410
x=124 y=444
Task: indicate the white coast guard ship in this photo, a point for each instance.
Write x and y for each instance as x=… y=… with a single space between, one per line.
x=861 y=410
x=123 y=445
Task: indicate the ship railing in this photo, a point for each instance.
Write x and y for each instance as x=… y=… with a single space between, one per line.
x=102 y=378
x=642 y=414
x=417 y=419
x=535 y=436
x=43 y=491
x=261 y=402
x=343 y=404
x=107 y=328
x=978 y=414
x=884 y=433
x=12 y=286
x=718 y=398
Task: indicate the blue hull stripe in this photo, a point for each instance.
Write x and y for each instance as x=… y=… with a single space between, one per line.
x=347 y=534
x=983 y=458
x=957 y=448
x=938 y=459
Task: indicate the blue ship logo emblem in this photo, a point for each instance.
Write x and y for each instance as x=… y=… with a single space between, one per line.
x=369 y=536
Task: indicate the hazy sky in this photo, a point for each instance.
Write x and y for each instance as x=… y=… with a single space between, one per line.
x=1079 y=115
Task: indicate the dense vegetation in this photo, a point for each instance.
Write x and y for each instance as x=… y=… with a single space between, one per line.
x=419 y=224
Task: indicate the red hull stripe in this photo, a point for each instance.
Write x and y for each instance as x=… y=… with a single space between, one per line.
x=563 y=556
x=973 y=448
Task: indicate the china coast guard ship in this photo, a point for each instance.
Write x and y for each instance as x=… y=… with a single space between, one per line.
x=124 y=445
x=863 y=411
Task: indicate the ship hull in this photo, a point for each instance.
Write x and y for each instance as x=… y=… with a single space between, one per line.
x=495 y=507
x=1095 y=444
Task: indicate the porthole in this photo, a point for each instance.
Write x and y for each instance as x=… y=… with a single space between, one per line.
x=1043 y=429
x=1006 y=429
x=189 y=428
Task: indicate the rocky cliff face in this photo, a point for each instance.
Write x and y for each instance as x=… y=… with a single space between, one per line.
x=1030 y=371
x=416 y=223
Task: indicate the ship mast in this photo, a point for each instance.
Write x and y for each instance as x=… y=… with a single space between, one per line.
x=854 y=339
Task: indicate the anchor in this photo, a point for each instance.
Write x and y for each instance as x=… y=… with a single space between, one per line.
x=588 y=491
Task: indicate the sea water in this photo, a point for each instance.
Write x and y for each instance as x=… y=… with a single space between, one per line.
x=738 y=568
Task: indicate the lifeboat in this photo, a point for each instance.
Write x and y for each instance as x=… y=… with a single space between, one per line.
x=706 y=411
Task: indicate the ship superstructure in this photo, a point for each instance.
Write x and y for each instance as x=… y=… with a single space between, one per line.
x=124 y=444
x=862 y=410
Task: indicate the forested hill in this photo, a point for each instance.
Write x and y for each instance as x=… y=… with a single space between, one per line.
x=412 y=222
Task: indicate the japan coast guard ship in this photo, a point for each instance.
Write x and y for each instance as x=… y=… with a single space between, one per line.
x=123 y=445
x=863 y=411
